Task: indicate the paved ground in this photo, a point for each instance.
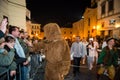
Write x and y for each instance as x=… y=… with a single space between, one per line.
x=84 y=74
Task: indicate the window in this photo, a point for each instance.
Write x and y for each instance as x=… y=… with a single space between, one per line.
x=110 y=5
x=103 y=8
x=112 y=22
x=32 y=32
x=88 y=21
x=103 y=24
x=110 y=32
x=38 y=27
x=64 y=32
x=32 y=27
x=102 y=33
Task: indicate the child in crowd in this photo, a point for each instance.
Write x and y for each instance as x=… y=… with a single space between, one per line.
x=7 y=55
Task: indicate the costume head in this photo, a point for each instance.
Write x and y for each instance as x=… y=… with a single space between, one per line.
x=52 y=31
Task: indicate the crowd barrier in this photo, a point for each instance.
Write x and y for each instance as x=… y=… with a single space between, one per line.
x=6 y=74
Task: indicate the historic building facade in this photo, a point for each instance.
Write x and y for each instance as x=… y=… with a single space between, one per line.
x=15 y=10
x=35 y=30
x=90 y=22
x=78 y=28
x=108 y=18
x=67 y=33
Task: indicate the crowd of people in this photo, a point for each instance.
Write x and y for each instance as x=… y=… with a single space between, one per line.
x=99 y=54
x=23 y=58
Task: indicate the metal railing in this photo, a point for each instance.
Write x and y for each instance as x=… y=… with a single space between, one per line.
x=5 y=75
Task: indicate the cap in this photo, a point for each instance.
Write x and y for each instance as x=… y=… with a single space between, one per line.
x=91 y=39
x=109 y=38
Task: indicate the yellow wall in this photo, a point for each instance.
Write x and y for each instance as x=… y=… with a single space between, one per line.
x=34 y=30
x=67 y=33
x=90 y=22
x=78 y=28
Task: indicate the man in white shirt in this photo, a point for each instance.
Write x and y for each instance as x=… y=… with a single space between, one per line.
x=77 y=50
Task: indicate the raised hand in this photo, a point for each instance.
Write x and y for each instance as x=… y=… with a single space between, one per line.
x=3 y=25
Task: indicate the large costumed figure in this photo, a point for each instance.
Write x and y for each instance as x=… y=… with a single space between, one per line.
x=57 y=53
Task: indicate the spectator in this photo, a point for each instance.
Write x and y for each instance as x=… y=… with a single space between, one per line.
x=20 y=55
x=7 y=56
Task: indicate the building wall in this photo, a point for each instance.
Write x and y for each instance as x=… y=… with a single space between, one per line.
x=17 y=13
x=28 y=27
x=78 y=28
x=28 y=13
x=108 y=17
x=28 y=22
x=15 y=10
x=35 y=30
x=3 y=9
x=90 y=22
x=67 y=33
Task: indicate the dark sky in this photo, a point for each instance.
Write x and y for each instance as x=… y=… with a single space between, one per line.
x=63 y=12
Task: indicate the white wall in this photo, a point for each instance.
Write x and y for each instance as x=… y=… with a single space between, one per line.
x=15 y=10
x=3 y=9
x=17 y=13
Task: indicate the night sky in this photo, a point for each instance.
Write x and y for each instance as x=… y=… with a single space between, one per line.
x=63 y=12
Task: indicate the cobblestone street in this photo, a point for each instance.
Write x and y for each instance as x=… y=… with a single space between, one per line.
x=84 y=74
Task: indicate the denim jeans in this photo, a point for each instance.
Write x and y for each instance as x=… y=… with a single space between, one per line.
x=24 y=73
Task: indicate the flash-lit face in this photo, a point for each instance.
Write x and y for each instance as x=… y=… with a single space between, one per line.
x=111 y=42
x=12 y=42
x=16 y=33
x=77 y=39
x=26 y=35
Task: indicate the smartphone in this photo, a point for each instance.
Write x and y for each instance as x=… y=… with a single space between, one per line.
x=5 y=17
x=7 y=20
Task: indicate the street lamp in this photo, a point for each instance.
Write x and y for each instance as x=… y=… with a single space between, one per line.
x=94 y=27
x=73 y=36
x=36 y=34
